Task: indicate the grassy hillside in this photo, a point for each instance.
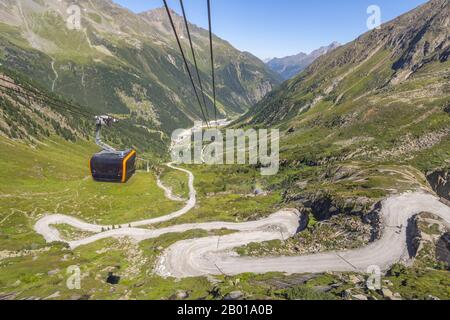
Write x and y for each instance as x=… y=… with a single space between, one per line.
x=53 y=177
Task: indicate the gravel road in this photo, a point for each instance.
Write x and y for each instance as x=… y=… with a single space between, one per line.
x=215 y=255
x=202 y=256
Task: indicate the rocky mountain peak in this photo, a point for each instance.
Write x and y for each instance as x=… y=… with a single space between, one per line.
x=290 y=66
x=158 y=14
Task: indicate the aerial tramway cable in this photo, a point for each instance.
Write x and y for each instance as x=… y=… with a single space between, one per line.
x=194 y=58
x=71 y=108
x=212 y=60
x=185 y=61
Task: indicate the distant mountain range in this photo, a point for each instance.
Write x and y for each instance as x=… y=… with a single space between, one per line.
x=289 y=67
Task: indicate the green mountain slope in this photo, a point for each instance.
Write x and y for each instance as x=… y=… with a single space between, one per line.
x=124 y=63
x=381 y=98
x=32 y=116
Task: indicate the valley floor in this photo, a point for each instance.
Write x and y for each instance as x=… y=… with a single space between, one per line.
x=33 y=268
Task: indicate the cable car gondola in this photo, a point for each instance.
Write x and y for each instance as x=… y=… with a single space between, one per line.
x=110 y=165
x=119 y=166
x=113 y=166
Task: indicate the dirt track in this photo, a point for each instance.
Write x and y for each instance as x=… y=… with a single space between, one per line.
x=214 y=255
x=202 y=256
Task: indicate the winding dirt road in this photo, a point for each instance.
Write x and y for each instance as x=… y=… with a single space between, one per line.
x=202 y=256
x=45 y=225
x=215 y=255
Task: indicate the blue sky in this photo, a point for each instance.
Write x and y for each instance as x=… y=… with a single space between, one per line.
x=277 y=28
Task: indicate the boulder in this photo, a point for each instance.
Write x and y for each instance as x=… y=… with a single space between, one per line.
x=355 y=279
x=182 y=294
x=347 y=294
x=387 y=293
x=53 y=272
x=235 y=295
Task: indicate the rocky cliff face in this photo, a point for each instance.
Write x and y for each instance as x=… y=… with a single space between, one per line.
x=440 y=182
x=429 y=241
x=443 y=249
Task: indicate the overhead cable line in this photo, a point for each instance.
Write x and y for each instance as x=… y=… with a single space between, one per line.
x=30 y=92
x=194 y=58
x=185 y=61
x=42 y=99
x=212 y=60
x=58 y=106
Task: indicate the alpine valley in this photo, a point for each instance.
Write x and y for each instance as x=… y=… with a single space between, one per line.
x=364 y=162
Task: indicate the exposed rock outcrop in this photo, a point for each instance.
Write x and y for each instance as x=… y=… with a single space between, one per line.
x=443 y=249
x=414 y=236
x=429 y=240
x=323 y=206
x=440 y=182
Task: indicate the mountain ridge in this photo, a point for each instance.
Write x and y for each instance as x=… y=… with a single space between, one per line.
x=289 y=66
x=394 y=36
x=381 y=97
